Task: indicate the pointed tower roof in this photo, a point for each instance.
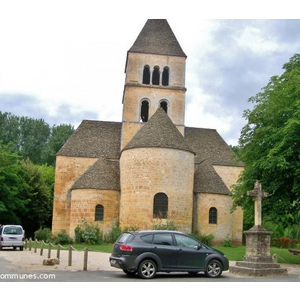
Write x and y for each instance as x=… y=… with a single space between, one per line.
x=159 y=132
x=157 y=37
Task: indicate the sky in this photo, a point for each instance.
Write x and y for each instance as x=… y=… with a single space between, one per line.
x=64 y=61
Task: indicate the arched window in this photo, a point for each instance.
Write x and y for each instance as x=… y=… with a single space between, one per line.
x=160 y=206
x=213 y=215
x=155 y=76
x=146 y=75
x=165 y=76
x=164 y=105
x=145 y=111
x=99 y=213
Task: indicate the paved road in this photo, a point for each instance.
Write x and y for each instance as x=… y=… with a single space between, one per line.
x=14 y=274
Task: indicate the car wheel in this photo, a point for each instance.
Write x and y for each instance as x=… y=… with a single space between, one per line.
x=129 y=273
x=213 y=269
x=21 y=248
x=147 y=269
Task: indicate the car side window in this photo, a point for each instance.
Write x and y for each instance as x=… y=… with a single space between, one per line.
x=163 y=239
x=185 y=241
x=147 y=238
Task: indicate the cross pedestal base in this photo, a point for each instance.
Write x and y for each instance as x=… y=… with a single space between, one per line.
x=257 y=261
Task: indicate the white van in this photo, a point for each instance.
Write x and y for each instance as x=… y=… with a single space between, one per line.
x=12 y=236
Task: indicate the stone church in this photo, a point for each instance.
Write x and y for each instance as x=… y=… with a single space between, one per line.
x=150 y=168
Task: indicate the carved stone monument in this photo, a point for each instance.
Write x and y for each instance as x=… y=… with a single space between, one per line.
x=258 y=261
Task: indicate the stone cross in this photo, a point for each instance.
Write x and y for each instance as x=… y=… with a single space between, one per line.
x=258 y=194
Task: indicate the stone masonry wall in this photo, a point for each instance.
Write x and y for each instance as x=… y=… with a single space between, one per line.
x=67 y=170
x=83 y=204
x=148 y=171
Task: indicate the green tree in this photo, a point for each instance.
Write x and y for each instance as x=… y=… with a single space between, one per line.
x=40 y=192
x=59 y=134
x=13 y=187
x=34 y=138
x=270 y=148
x=34 y=135
x=9 y=129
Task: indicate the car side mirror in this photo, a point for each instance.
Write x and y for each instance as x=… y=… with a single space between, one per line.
x=197 y=247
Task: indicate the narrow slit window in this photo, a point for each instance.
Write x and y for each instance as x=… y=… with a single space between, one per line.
x=155 y=76
x=213 y=215
x=165 y=76
x=145 y=111
x=99 y=213
x=164 y=105
x=160 y=206
x=146 y=75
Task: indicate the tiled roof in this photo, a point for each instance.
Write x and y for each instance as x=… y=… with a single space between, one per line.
x=94 y=139
x=157 y=37
x=98 y=139
x=99 y=176
x=158 y=132
x=207 y=180
x=209 y=145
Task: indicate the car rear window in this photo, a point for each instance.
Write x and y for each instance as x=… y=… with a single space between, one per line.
x=12 y=230
x=125 y=238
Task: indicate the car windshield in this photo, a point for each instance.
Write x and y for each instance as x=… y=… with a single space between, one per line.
x=13 y=230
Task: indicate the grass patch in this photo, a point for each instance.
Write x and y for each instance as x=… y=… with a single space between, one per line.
x=237 y=253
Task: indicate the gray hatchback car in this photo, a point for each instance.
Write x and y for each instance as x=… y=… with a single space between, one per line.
x=149 y=252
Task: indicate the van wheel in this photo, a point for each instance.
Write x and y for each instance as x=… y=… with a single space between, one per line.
x=21 y=248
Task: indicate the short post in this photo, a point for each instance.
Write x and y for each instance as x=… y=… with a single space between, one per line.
x=85 y=259
x=70 y=256
x=25 y=244
x=49 y=250
x=42 y=248
x=35 y=245
x=58 y=251
x=30 y=240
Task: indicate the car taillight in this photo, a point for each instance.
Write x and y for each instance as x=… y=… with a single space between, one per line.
x=126 y=248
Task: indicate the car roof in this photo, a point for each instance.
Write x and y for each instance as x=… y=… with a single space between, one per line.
x=154 y=231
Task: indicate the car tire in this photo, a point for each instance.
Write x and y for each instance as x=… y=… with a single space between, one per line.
x=147 y=269
x=214 y=269
x=21 y=248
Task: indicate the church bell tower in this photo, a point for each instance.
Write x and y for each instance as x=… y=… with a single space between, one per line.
x=155 y=77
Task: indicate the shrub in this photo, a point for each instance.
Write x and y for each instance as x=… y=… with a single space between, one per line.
x=164 y=225
x=43 y=234
x=227 y=242
x=88 y=233
x=298 y=246
x=284 y=242
x=205 y=239
x=63 y=238
x=113 y=235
